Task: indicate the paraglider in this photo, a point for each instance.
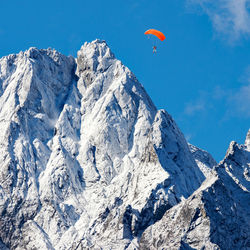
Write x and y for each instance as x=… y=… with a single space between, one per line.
x=157 y=34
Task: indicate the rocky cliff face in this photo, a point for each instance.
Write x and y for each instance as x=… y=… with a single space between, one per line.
x=216 y=216
x=87 y=161
x=34 y=88
x=203 y=159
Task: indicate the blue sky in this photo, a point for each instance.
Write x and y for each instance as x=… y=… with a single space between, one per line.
x=200 y=74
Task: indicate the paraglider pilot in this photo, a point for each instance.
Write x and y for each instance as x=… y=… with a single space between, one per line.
x=156 y=33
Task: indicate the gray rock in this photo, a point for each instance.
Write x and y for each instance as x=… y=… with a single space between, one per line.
x=203 y=159
x=216 y=216
x=87 y=161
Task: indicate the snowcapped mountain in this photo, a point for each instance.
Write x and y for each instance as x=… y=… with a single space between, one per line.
x=88 y=162
x=203 y=159
x=216 y=216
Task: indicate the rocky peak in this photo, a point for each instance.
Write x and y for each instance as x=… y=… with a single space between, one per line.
x=232 y=148
x=88 y=160
x=211 y=213
x=203 y=159
x=93 y=58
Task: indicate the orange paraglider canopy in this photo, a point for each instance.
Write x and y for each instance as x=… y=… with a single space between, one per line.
x=157 y=33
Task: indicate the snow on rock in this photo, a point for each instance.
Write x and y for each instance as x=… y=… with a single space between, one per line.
x=134 y=158
x=87 y=161
x=34 y=86
x=203 y=159
x=80 y=151
x=216 y=216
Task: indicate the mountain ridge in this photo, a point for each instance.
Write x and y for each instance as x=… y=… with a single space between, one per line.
x=216 y=216
x=87 y=161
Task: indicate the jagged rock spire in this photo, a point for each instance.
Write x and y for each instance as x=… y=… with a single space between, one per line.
x=86 y=159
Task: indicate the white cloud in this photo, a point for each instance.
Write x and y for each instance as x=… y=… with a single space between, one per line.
x=245 y=78
x=234 y=101
x=239 y=102
x=199 y=105
x=239 y=99
x=229 y=17
x=193 y=107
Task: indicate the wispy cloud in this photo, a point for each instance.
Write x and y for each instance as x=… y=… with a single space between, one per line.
x=235 y=101
x=229 y=17
x=239 y=102
x=245 y=78
x=193 y=107
x=199 y=105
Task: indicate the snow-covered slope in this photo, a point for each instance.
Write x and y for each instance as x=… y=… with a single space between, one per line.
x=86 y=158
x=203 y=159
x=88 y=162
x=216 y=216
x=34 y=86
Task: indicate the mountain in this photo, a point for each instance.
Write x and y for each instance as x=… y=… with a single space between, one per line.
x=216 y=216
x=87 y=161
x=204 y=160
